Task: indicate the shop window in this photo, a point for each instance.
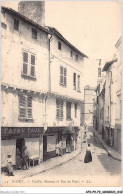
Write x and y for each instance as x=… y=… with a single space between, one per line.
x=59 y=109
x=63 y=76
x=34 y=33
x=16 y=24
x=28 y=64
x=75 y=110
x=25 y=107
x=68 y=110
x=74 y=81
x=59 y=45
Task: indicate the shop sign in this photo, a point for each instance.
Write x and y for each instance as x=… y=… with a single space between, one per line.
x=20 y=130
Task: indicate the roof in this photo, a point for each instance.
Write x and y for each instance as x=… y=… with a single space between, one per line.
x=57 y=33
x=25 y=19
x=108 y=64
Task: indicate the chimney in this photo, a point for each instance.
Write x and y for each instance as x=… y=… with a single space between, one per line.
x=34 y=10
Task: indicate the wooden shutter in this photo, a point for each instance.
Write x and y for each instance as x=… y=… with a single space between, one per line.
x=25 y=63
x=65 y=76
x=68 y=110
x=59 y=109
x=29 y=106
x=74 y=81
x=61 y=75
x=32 y=66
x=22 y=106
x=78 y=83
x=75 y=110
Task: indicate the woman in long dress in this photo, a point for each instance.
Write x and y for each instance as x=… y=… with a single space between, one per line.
x=88 y=156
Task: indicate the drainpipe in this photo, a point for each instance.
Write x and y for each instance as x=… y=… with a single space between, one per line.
x=49 y=80
x=110 y=107
x=49 y=84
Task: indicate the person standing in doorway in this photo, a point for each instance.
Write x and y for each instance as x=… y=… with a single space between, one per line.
x=25 y=158
x=18 y=160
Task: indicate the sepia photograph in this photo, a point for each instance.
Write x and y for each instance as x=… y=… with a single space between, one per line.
x=61 y=99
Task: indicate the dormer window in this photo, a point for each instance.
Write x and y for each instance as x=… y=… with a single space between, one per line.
x=16 y=24
x=76 y=57
x=34 y=33
x=59 y=45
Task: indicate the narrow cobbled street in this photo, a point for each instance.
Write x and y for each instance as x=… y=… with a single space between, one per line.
x=102 y=168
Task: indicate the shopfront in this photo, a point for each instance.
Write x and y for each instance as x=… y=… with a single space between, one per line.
x=66 y=135
x=14 y=138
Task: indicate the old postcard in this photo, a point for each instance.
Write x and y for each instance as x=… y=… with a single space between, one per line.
x=61 y=94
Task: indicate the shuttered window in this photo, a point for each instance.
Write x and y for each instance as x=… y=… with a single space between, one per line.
x=28 y=64
x=78 y=83
x=25 y=107
x=75 y=110
x=59 y=109
x=68 y=110
x=74 y=81
x=63 y=76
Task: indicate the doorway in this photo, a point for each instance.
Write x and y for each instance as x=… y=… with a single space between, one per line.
x=19 y=144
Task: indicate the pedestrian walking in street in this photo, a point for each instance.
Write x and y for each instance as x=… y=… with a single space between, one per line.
x=9 y=165
x=25 y=158
x=88 y=155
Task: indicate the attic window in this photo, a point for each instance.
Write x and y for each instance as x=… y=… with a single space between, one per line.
x=76 y=57
x=34 y=33
x=59 y=45
x=16 y=24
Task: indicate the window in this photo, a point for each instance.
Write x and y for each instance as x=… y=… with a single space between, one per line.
x=68 y=110
x=16 y=24
x=34 y=33
x=59 y=45
x=63 y=76
x=76 y=57
x=59 y=109
x=25 y=107
x=78 y=83
x=71 y=53
x=74 y=81
x=75 y=110
x=28 y=64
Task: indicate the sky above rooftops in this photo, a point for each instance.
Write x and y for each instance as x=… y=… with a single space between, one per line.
x=93 y=27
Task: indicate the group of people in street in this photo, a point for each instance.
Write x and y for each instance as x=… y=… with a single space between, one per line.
x=21 y=162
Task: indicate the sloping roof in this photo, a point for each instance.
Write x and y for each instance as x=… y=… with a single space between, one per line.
x=108 y=64
x=25 y=19
x=57 y=33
